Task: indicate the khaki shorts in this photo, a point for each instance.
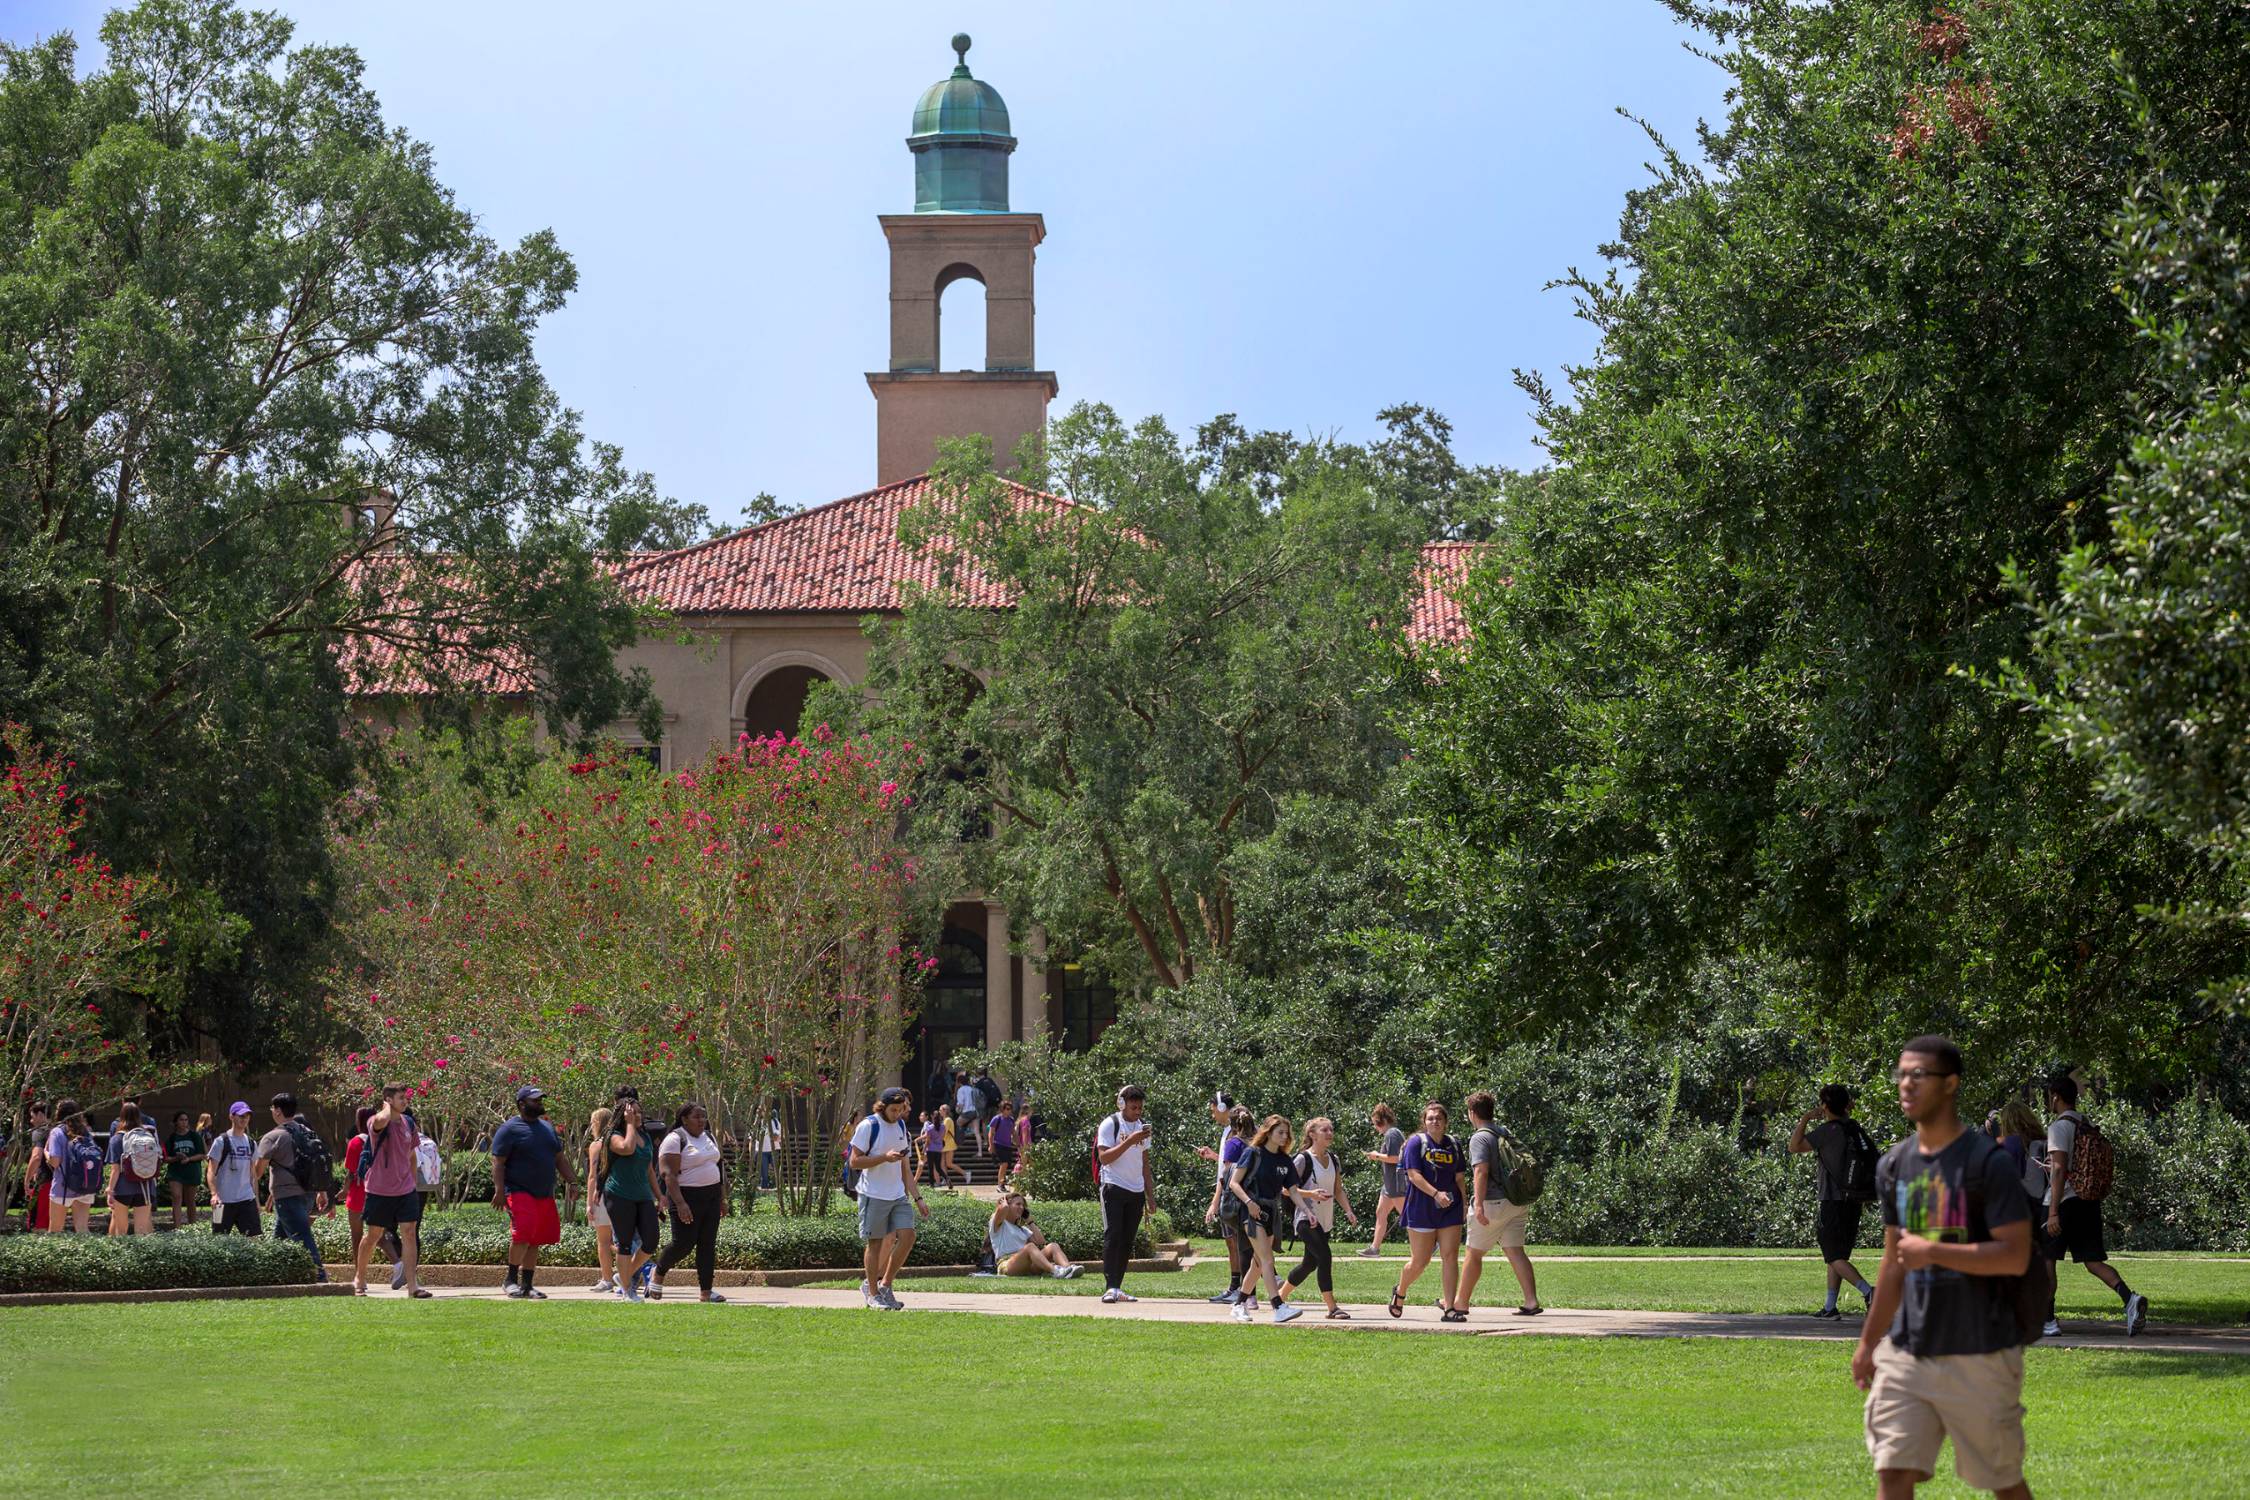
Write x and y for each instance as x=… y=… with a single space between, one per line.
x=1505 y=1230
x=1914 y=1404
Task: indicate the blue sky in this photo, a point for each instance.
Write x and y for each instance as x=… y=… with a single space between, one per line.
x=1298 y=213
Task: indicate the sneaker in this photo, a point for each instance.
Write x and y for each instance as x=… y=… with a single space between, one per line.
x=603 y=1285
x=1227 y=1298
x=648 y=1273
x=1830 y=1315
x=1109 y=1294
x=633 y=1294
x=1125 y=1296
x=2052 y=1330
x=1062 y=1273
x=1240 y=1312
x=398 y=1275
x=532 y=1293
x=2136 y=1313
x=1072 y=1272
x=1285 y=1311
x=512 y=1292
x=873 y=1301
x=621 y=1293
x=889 y=1298
x=1369 y=1252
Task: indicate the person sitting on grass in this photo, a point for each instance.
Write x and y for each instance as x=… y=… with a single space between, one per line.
x=1018 y=1246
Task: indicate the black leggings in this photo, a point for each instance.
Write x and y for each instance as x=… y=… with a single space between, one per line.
x=702 y=1235
x=1316 y=1262
x=1121 y=1223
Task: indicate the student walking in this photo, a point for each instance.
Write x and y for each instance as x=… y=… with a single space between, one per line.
x=1121 y=1154
x=526 y=1165
x=629 y=1191
x=1004 y=1141
x=1224 y=1209
x=394 y=1200
x=138 y=1163
x=968 y=1110
x=36 y=1170
x=2074 y=1223
x=692 y=1169
x=355 y=1188
x=232 y=1180
x=1492 y=1219
x=75 y=1158
x=1386 y=1154
x=1316 y=1197
x=1431 y=1160
x=1941 y=1352
x=886 y=1224
x=1018 y=1246
x=597 y=1212
x=1835 y=1143
x=184 y=1151
x=948 y=1140
x=1263 y=1174
x=282 y=1151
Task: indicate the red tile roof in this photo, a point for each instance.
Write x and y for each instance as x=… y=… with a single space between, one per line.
x=844 y=556
x=384 y=655
x=1437 y=618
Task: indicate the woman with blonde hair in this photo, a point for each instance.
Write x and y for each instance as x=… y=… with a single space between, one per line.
x=597 y=1165
x=1262 y=1175
x=1320 y=1188
x=1018 y=1246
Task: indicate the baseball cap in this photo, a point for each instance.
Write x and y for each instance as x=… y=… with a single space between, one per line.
x=529 y=1092
x=238 y=1108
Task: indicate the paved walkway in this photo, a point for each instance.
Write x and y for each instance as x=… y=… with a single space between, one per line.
x=1498 y=1322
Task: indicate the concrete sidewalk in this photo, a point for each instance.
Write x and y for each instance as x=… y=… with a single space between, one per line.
x=1498 y=1322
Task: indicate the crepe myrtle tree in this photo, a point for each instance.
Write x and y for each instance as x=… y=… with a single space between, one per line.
x=734 y=934
x=76 y=950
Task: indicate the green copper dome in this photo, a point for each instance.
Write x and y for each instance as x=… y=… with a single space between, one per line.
x=961 y=144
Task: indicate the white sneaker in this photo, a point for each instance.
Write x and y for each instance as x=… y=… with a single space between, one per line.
x=2052 y=1330
x=873 y=1301
x=604 y=1285
x=633 y=1294
x=1125 y=1296
x=1240 y=1312
x=1072 y=1271
x=1286 y=1311
x=1109 y=1294
x=1062 y=1273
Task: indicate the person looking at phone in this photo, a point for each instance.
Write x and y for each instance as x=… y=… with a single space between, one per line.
x=1121 y=1149
x=878 y=1152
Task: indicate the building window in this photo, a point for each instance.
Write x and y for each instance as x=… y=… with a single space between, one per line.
x=1088 y=1009
x=653 y=754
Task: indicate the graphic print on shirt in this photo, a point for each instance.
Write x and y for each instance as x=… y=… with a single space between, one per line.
x=1929 y=1207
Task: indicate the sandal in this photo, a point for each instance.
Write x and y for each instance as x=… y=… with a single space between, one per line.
x=1340 y=1313
x=359 y=1289
x=655 y=1291
x=1398 y=1303
x=1529 y=1312
x=713 y=1297
x=422 y=1291
x=1453 y=1315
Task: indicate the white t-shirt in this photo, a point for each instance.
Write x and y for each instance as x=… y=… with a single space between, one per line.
x=1129 y=1171
x=874 y=1137
x=699 y=1157
x=1321 y=1211
x=968 y=1100
x=2062 y=1136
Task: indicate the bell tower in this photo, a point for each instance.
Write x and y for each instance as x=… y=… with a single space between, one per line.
x=961 y=227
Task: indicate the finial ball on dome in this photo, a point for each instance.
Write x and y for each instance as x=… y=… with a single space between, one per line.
x=961 y=47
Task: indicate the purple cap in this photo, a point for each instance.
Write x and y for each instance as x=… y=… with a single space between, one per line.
x=238 y=1108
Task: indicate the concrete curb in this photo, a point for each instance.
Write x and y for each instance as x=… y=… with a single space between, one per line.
x=179 y=1294
x=477 y=1276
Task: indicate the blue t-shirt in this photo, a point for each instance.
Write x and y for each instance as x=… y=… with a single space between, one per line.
x=531 y=1147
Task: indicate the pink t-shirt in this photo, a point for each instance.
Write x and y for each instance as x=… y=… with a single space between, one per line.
x=391 y=1173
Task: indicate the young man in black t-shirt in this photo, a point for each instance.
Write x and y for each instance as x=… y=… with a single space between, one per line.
x=1837 y=1229
x=1956 y=1227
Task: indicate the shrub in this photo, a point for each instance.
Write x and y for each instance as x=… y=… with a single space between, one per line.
x=97 y=1263
x=764 y=1241
x=2183 y=1178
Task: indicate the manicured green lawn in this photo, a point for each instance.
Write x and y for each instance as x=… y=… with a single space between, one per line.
x=505 y=1399
x=2179 y=1289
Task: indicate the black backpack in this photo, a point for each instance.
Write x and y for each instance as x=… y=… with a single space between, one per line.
x=1860 y=1157
x=314 y=1168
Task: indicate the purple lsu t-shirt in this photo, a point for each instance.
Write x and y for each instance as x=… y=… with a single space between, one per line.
x=1003 y=1133
x=391 y=1173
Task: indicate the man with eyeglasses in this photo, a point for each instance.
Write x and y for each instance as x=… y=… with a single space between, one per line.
x=1941 y=1353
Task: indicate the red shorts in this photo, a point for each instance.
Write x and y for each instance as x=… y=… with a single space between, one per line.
x=533 y=1221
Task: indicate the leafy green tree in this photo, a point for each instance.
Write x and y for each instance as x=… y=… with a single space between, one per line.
x=1195 y=646
x=1726 y=693
x=270 y=420
x=2144 y=631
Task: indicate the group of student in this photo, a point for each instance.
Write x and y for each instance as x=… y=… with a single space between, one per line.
x=937 y=1138
x=2062 y=1164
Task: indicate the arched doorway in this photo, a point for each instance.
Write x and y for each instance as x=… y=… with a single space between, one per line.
x=950 y=1018
x=777 y=702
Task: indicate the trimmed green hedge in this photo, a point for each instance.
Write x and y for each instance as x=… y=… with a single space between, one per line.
x=763 y=1241
x=97 y=1263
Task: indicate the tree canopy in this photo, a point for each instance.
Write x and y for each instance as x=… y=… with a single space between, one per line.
x=269 y=417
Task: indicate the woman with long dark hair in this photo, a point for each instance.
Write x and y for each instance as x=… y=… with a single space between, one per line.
x=693 y=1171
x=1434 y=1212
x=76 y=1161
x=1225 y=1210
x=629 y=1193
